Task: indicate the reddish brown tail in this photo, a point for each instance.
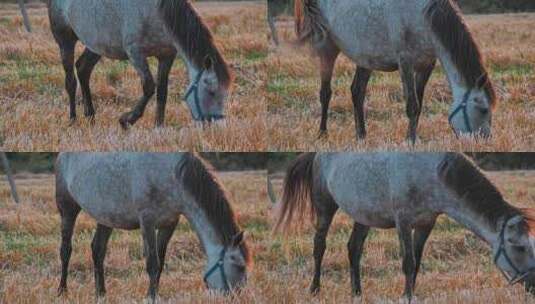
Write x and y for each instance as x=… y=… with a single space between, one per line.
x=296 y=198
x=309 y=23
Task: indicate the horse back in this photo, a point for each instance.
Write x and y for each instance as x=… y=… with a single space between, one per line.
x=374 y=34
x=112 y=28
x=377 y=189
x=115 y=188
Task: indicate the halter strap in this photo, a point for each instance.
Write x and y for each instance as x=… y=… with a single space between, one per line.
x=216 y=266
x=194 y=89
x=519 y=275
x=462 y=107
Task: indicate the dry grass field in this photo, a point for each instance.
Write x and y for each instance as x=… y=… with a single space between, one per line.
x=34 y=106
x=457 y=267
x=508 y=44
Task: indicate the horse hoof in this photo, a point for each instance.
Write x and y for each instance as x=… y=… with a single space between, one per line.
x=314 y=290
x=91 y=119
x=62 y=291
x=126 y=121
x=322 y=134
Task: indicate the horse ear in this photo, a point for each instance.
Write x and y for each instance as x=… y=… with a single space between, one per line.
x=208 y=62
x=238 y=239
x=482 y=81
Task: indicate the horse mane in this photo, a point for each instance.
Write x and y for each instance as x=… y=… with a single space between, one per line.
x=448 y=25
x=197 y=178
x=529 y=219
x=194 y=37
x=310 y=25
x=478 y=192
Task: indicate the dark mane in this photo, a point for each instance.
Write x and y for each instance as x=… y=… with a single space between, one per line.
x=464 y=178
x=195 y=39
x=199 y=181
x=447 y=23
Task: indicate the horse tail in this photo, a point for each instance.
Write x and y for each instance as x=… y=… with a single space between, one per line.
x=296 y=197
x=310 y=26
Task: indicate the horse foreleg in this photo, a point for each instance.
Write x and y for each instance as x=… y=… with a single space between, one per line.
x=407 y=253
x=324 y=221
x=409 y=90
x=421 y=234
x=147 y=82
x=67 y=59
x=164 y=236
x=164 y=67
x=98 y=248
x=84 y=68
x=354 y=248
x=422 y=77
x=148 y=230
x=327 y=60
x=69 y=212
x=358 y=94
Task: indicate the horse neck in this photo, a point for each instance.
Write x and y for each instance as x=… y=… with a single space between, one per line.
x=453 y=74
x=205 y=230
x=486 y=228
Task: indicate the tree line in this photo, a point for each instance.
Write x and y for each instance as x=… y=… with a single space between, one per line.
x=44 y=162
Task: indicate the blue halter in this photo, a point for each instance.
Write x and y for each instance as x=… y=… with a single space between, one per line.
x=462 y=107
x=218 y=266
x=519 y=275
x=194 y=89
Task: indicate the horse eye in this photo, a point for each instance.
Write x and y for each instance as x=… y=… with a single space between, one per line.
x=240 y=268
x=484 y=111
x=211 y=93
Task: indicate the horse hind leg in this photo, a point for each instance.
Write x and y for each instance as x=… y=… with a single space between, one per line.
x=67 y=43
x=328 y=57
x=358 y=94
x=98 y=247
x=326 y=209
x=84 y=68
x=354 y=248
x=69 y=211
x=164 y=67
x=139 y=61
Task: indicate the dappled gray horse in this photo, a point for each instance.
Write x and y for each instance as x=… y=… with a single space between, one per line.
x=406 y=191
x=408 y=36
x=149 y=191
x=134 y=30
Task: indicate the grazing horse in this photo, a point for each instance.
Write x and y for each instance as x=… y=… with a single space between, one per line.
x=134 y=30
x=149 y=191
x=406 y=191
x=408 y=36
x=277 y=8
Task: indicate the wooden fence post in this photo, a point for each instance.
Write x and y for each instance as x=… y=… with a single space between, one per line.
x=25 y=18
x=10 y=179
